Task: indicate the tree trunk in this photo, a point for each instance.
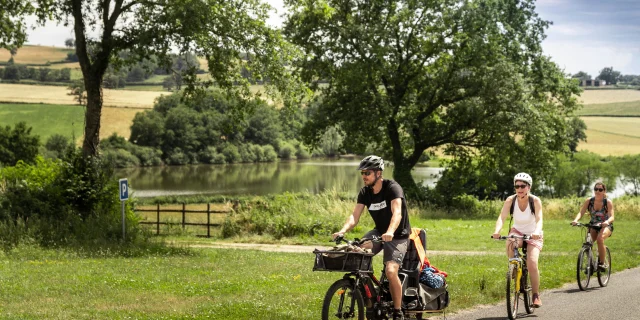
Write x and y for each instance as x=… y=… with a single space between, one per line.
x=402 y=175
x=92 y=117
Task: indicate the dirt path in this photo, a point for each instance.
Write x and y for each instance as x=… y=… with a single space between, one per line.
x=309 y=249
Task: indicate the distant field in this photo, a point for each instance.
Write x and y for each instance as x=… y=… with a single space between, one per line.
x=58 y=95
x=631 y=108
x=612 y=135
x=67 y=120
x=609 y=96
x=36 y=54
x=146 y=88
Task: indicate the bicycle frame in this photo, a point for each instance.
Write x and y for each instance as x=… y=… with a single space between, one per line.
x=519 y=263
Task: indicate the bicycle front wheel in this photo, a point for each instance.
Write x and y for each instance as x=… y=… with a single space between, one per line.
x=527 y=295
x=512 y=293
x=583 y=271
x=603 y=276
x=342 y=302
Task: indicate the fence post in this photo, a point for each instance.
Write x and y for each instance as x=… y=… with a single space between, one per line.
x=183 y=213
x=158 y=221
x=208 y=220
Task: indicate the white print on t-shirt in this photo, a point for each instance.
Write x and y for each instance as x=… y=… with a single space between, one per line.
x=378 y=206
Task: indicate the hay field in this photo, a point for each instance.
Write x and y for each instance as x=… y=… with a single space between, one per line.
x=36 y=54
x=609 y=96
x=612 y=135
x=67 y=120
x=627 y=109
x=58 y=95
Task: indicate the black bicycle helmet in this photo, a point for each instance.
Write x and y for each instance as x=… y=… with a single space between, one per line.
x=371 y=163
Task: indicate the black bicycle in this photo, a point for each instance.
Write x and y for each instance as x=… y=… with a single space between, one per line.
x=518 y=279
x=588 y=260
x=359 y=293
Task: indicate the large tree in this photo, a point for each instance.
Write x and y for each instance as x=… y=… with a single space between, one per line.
x=609 y=75
x=409 y=77
x=220 y=31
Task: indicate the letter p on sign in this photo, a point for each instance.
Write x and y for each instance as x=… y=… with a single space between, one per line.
x=124 y=189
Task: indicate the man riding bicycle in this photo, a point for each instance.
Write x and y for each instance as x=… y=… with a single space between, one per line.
x=384 y=199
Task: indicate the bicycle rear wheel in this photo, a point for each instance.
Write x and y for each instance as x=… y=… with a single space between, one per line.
x=512 y=293
x=583 y=271
x=603 y=276
x=339 y=300
x=527 y=295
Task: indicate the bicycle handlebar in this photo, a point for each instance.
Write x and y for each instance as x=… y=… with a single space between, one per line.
x=357 y=241
x=586 y=225
x=513 y=236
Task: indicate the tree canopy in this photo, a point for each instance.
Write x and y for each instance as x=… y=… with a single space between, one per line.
x=411 y=76
x=609 y=75
x=219 y=31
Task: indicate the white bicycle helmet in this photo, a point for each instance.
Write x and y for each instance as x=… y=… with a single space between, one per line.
x=522 y=176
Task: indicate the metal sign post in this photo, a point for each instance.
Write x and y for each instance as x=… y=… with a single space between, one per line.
x=124 y=196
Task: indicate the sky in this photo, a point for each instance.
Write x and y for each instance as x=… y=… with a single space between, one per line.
x=586 y=35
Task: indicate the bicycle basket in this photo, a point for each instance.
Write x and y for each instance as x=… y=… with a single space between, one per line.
x=343 y=261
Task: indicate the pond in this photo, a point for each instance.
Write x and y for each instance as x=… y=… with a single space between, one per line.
x=256 y=178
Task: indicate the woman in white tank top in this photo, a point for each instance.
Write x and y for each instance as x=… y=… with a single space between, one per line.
x=524 y=222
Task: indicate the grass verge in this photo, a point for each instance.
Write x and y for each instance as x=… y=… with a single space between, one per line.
x=247 y=284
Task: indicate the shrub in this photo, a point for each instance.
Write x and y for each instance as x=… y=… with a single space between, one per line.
x=287 y=151
x=246 y=153
x=177 y=157
x=231 y=153
x=62 y=202
x=120 y=158
x=269 y=153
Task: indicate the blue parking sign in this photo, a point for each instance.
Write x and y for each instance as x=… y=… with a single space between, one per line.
x=124 y=189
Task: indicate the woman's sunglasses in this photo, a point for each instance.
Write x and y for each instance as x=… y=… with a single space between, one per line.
x=520 y=186
x=598 y=189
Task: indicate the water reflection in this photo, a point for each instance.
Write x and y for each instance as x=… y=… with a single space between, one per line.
x=255 y=179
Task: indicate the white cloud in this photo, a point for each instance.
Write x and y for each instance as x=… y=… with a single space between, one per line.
x=574 y=57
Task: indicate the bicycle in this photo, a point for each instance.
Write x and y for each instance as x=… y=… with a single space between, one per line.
x=359 y=293
x=518 y=279
x=587 y=264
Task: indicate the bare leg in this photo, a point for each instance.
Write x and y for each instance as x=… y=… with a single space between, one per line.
x=532 y=264
x=394 y=283
x=602 y=235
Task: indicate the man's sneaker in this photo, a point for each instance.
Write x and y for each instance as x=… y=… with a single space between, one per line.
x=398 y=315
x=602 y=267
x=537 y=303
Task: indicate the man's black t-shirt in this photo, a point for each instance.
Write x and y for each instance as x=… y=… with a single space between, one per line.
x=379 y=206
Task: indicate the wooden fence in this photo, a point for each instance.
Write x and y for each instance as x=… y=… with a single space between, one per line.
x=184 y=213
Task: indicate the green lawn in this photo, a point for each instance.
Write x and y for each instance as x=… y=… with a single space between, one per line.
x=245 y=284
x=45 y=119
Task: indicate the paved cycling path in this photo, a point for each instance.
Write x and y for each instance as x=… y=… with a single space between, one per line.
x=619 y=300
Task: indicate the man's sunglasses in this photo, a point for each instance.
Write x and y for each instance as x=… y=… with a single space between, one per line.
x=366 y=173
x=520 y=186
x=598 y=189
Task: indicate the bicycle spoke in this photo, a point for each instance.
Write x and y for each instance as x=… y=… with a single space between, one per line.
x=584 y=268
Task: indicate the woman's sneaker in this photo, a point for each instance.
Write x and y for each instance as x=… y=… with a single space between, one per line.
x=537 y=303
x=602 y=267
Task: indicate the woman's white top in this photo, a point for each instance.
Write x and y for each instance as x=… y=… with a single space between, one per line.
x=524 y=221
